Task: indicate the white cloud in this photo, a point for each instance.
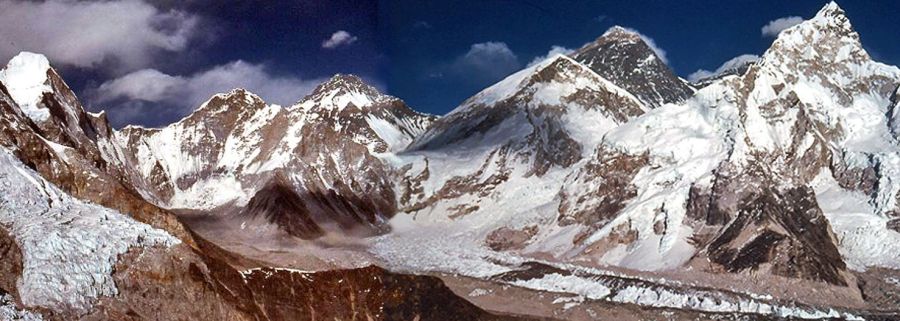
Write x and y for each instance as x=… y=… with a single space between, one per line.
x=184 y=93
x=772 y=28
x=728 y=65
x=554 y=50
x=650 y=43
x=339 y=38
x=487 y=60
x=85 y=34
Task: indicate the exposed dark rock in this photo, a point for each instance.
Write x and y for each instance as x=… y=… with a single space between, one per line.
x=623 y=58
x=303 y=216
x=702 y=206
x=608 y=178
x=10 y=262
x=279 y=204
x=783 y=229
x=504 y=238
x=894 y=224
x=367 y=293
x=472 y=184
x=530 y=270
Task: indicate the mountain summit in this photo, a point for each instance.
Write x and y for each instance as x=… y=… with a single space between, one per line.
x=623 y=58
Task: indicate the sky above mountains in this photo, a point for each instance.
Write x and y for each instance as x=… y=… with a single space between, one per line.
x=152 y=62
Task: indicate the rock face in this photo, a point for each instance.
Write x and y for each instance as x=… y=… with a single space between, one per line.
x=49 y=103
x=71 y=157
x=368 y=293
x=784 y=231
x=278 y=203
x=623 y=58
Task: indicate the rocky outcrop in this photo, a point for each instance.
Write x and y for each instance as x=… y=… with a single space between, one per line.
x=11 y=263
x=368 y=293
x=596 y=192
x=784 y=232
x=280 y=205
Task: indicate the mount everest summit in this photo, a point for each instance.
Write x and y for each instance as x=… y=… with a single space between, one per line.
x=592 y=185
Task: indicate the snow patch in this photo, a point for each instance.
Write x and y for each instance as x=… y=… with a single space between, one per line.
x=25 y=77
x=9 y=311
x=863 y=237
x=555 y=282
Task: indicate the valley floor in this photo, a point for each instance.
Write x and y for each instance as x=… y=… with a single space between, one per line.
x=505 y=283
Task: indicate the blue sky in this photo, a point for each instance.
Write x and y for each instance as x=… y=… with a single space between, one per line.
x=159 y=59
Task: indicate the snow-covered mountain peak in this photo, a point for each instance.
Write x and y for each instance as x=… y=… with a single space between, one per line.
x=621 y=56
x=339 y=92
x=563 y=70
x=539 y=106
x=235 y=94
x=343 y=81
x=248 y=96
x=831 y=10
x=514 y=83
x=620 y=33
x=25 y=77
x=543 y=75
x=225 y=111
x=826 y=38
x=41 y=94
x=833 y=17
x=238 y=97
